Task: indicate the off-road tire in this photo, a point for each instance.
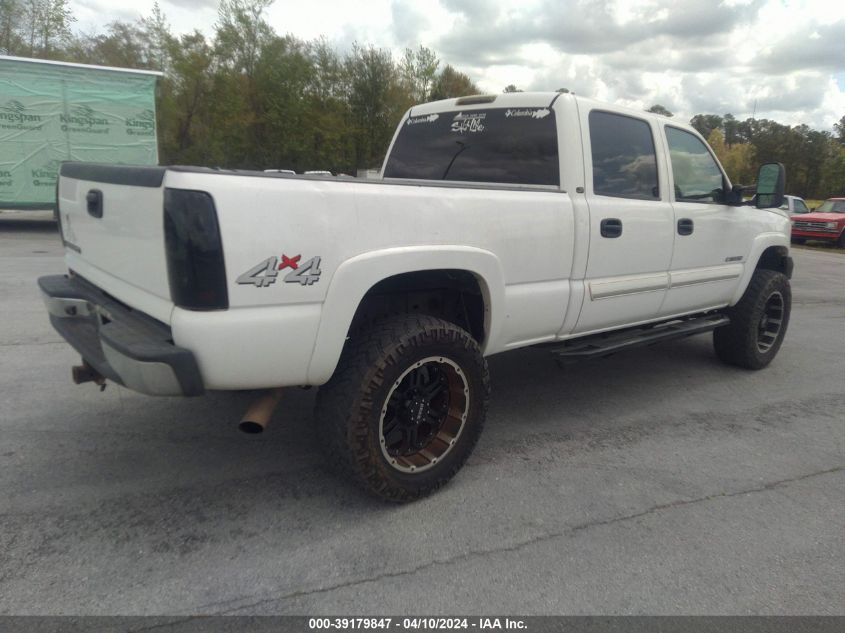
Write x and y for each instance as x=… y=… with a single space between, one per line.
x=742 y=342
x=349 y=408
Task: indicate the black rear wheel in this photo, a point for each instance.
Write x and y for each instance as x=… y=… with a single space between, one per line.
x=424 y=414
x=405 y=406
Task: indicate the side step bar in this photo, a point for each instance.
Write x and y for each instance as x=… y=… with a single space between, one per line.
x=600 y=345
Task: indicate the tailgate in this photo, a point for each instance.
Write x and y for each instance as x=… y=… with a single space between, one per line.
x=112 y=223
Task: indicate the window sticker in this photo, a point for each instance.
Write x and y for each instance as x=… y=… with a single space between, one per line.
x=471 y=123
x=534 y=113
x=431 y=118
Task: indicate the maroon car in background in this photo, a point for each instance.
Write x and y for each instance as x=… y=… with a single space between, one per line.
x=827 y=223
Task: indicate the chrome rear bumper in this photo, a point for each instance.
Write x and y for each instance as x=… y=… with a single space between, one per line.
x=125 y=346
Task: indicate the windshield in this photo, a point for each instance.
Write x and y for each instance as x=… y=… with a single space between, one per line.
x=496 y=145
x=832 y=206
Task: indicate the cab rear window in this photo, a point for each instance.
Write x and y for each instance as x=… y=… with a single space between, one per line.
x=497 y=145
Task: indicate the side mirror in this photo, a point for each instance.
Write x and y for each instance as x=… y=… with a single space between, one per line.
x=770 y=185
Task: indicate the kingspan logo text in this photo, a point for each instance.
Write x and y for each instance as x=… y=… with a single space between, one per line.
x=15 y=112
x=82 y=115
x=144 y=120
x=47 y=170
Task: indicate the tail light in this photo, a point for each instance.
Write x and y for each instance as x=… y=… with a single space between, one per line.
x=195 y=267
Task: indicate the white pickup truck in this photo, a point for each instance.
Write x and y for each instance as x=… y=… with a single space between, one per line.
x=499 y=221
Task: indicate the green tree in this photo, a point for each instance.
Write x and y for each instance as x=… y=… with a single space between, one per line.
x=331 y=141
x=833 y=174
x=417 y=72
x=241 y=32
x=452 y=83
x=840 y=130
x=11 y=15
x=122 y=45
x=158 y=39
x=659 y=109
x=371 y=76
x=241 y=37
x=737 y=159
x=328 y=79
x=143 y=44
x=184 y=112
x=47 y=25
x=285 y=73
x=731 y=128
x=706 y=123
x=812 y=149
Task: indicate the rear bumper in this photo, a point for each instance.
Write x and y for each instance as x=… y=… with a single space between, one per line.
x=125 y=346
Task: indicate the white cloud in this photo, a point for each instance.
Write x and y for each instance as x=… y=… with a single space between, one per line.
x=366 y=22
x=183 y=15
x=692 y=56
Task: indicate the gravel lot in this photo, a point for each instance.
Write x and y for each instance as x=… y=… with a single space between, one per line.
x=657 y=481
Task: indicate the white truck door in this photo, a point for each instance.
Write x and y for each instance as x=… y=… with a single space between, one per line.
x=631 y=221
x=711 y=238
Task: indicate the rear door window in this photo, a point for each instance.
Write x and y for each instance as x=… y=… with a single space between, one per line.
x=624 y=159
x=496 y=145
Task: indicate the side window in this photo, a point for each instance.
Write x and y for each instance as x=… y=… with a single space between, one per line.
x=800 y=207
x=624 y=160
x=696 y=175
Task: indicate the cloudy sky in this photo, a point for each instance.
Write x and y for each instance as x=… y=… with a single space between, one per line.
x=785 y=58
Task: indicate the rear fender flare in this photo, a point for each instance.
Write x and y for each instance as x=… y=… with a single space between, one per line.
x=355 y=276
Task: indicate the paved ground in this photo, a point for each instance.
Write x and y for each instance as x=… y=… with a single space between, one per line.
x=658 y=481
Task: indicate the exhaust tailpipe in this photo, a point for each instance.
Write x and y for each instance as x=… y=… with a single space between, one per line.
x=260 y=411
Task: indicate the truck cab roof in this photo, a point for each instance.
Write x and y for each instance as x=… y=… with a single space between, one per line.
x=503 y=100
x=536 y=100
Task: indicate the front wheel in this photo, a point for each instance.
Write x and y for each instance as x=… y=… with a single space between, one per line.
x=758 y=322
x=405 y=407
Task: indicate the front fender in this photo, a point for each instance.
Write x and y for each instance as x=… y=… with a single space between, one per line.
x=758 y=247
x=354 y=278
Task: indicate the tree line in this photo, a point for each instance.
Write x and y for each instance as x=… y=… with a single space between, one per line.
x=814 y=160
x=246 y=97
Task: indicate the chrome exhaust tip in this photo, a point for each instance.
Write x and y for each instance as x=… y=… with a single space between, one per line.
x=258 y=414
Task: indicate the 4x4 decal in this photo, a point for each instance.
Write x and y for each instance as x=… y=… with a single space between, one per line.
x=266 y=273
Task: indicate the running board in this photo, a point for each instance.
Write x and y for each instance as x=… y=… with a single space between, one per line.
x=600 y=345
